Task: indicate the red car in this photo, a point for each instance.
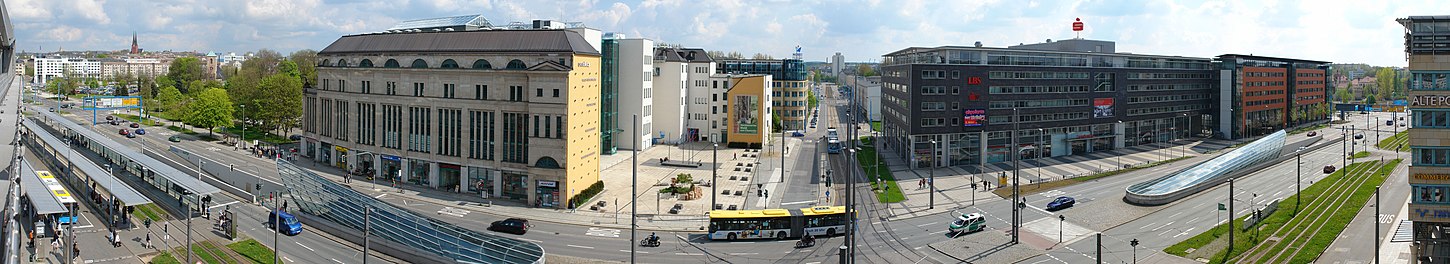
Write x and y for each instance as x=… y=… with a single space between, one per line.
x=124 y=132
x=135 y=125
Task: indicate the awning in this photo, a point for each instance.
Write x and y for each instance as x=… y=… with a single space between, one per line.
x=161 y=169
x=122 y=191
x=40 y=197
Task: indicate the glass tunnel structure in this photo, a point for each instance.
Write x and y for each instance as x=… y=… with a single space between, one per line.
x=1204 y=175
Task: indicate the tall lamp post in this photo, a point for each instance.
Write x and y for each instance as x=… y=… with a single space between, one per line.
x=931 y=180
x=1039 y=154
x=714 y=174
x=1016 y=173
x=243 y=140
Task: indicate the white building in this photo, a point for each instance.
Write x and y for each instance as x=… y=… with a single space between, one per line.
x=143 y=67
x=47 y=69
x=634 y=76
x=838 y=62
x=687 y=71
x=867 y=91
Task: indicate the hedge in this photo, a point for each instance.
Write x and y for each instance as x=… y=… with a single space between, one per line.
x=585 y=195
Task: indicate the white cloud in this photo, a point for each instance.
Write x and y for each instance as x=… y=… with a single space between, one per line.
x=61 y=34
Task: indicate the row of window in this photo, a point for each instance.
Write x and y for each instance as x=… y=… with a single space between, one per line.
x=933 y=90
x=1038 y=103
x=1146 y=76
x=1036 y=75
x=1429 y=81
x=1264 y=74
x=1167 y=87
x=480 y=91
x=1167 y=98
x=420 y=133
x=1309 y=74
x=1263 y=84
x=1263 y=93
x=480 y=64
x=1429 y=194
x=778 y=84
x=1037 y=89
x=1431 y=118
x=1431 y=156
x=1165 y=109
x=1309 y=82
x=1034 y=118
x=1264 y=102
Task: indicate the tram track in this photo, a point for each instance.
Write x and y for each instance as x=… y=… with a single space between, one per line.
x=1295 y=229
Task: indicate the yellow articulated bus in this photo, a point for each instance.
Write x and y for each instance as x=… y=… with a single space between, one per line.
x=777 y=223
x=55 y=187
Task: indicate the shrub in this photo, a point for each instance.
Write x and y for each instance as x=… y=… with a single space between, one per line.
x=586 y=194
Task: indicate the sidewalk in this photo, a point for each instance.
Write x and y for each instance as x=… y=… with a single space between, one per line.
x=507 y=208
x=954 y=184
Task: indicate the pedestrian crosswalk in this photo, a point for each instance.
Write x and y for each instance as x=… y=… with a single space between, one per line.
x=1403 y=232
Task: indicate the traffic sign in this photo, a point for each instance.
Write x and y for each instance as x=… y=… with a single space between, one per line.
x=1221 y=208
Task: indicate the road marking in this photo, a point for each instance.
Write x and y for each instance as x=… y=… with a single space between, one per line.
x=1164 y=225
x=338 y=261
x=744 y=253
x=1185 y=232
x=583 y=247
x=220 y=205
x=800 y=202
x=453 y=211
x=287 y=258
x=303 y=246
x=1174 y=216
x=602 y=232
x=926 y=224
x=530 y=240
x=626 y=251
x=380 y=196
x=689 y=254
x=1052 y=193
x=1386 y=218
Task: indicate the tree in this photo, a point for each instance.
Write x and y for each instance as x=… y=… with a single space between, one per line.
x=306 y=61
x=289 y=68
x=280 y=106
x=761 y=56
x=92 y=83
x=184 y=70
x=1369 y=99
x=865 y=70
x=30 y=69
x=168 y=98
x=1385 y=80
x=734 y=55
x=213 y=108
x=1343 y=95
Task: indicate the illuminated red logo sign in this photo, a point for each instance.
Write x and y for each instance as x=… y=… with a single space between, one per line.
x=974 y=80
x=973 y=96
x=1077 y=25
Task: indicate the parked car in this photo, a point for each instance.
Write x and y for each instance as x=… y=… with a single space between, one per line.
x=1389 y=122
x=967 y=223
x=140 y=131
x=1358 y=136
x=52 y=109
x=135 y=125
x=125 y=132
x=174 y=138
x=797 y=134
x=109 y=118
x=1328 y=168
x=1061 y=203
x=115 y=123
x=295 y=137
x=131 y=135
x=1313 y=133
x=516 y=226
x=289 y=226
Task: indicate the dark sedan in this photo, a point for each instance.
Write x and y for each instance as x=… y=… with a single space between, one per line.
x=512 y=225
x=135 y=125
x=1061 y=203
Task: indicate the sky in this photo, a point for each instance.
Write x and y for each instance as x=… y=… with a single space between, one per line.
x=1341 y=31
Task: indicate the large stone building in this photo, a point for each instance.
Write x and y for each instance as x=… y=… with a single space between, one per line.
x=511 y=114
x=1427 y=47
x=790 y=85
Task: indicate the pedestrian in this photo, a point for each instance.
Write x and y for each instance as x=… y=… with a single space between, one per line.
x=55 y=245
x=148 y=239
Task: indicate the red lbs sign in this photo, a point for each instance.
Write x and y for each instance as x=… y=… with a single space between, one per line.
x=974 y=80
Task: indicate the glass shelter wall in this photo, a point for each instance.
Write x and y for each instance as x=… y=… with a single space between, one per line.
x=1168 y=188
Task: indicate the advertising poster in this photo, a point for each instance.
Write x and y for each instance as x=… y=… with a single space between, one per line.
x=747 y=114
x=974 y=117
x=1102 y=107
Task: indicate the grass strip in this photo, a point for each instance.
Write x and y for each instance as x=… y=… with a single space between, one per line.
x=1397 y=142
x=164 y=258
x=883 y=183
x=203 y=250
x=147 y=211
x=254 y=251
x=1360 y=154
x=1343 y=216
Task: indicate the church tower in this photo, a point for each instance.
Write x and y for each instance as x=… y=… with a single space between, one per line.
x=135 y=48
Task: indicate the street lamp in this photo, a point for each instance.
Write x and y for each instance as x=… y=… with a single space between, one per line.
x=715 y=173
x=243 y=140
x=931 y=181
x=1039 y=154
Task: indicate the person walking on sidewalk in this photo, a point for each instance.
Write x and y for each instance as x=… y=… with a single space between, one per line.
x=148 y=239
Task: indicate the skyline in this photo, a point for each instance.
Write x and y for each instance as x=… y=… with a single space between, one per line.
x=1362 y=33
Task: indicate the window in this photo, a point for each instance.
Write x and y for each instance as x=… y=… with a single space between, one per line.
x=480 y=135
x=391 y=88
x=933 y=74
x=367 y=87
x=449 y=90
x=366 y=123
x=482 y=65
x=1037 y=75
x=933 y=106
x=365 y=63
x=450 y=131
x=418 y=89
x=516 y=65
x=419 y=63
x=391 y=63
x=536 y=125
x=539 y=92
x=449 y=64
x=1037 y=89
x=515 y=138
x=420 y=129
x=1426 y=118
x=556 y=93
x=342 y=63
x=480 y=92
x=558 y=126
x=1431 y=156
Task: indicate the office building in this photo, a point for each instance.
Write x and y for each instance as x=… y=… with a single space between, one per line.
x=867 y=93
x=507 y=114
x=1427 y=48
x=790 y=84
x=684 y=84
x=1268 y=94
x=1064 y=98
x=48 y=68
x=628 y=92
x=838 y=63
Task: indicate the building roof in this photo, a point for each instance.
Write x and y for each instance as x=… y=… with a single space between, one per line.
x=910 y=50
x=463 y=41
x=441 y=22
x=103 y=178
x=1252 y=57
x=171 y=174
x=40 y=196
x=682 y=54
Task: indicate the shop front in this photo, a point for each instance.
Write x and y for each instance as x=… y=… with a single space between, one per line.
x=480 y=181
x=390 y=166
x=515 y=185
x=418 y=171
x=341 y=161
x=547 y=194
x=324 y=153
x=448 y=175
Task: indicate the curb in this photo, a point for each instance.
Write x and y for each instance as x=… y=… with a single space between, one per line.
x=547 y=220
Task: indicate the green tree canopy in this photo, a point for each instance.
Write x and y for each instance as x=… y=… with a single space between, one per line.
x=211 y=109
x=280 y=106
x=168 y=98
x=306 y=61
x=184 y=71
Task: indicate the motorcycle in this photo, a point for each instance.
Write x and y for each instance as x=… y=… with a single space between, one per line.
x=805 y=243
x=649 y=242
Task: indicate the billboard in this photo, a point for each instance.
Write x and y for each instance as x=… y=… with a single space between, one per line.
x=747 y=114
x=974 y=117
x=1102 y=107
x=107 y=102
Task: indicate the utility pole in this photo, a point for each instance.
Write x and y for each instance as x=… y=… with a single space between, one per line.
x=189 y=214
x=1230 y=218
x=634 y=189
x=1298 y=178
x=1016 y=172
x=1100 y=249
x=367 y=229
x=1376 y=222
x=1060 y=219
x=276 y=228
x=1134 y=244
x=850 y=207
x=714 y=174
x=931 y=180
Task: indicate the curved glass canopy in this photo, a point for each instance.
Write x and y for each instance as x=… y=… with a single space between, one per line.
x=1168 y=188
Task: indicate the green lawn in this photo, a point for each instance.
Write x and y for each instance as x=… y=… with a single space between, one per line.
x=203 y=250
x=876 y=126
x=181 y=130
x=1399 y=140
x=258 y=253
x=133 y=118
x=887 y=191
x=1246 y=239
x=148 y=211
x=1360 y=154
x=1308 y=128
x=164 y=258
